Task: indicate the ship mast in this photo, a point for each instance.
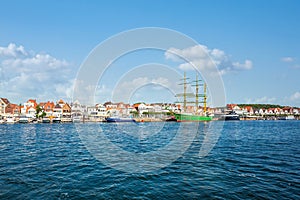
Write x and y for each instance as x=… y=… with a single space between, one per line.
x=185 y=95
x=184 y=92
x=197 y=95
x=204 y=98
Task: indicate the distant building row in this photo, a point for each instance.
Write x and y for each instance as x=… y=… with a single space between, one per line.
x=61 y=109
x=248 y=110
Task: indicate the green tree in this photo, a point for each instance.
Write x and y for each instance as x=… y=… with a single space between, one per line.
x=43 y=114
x=38 y=111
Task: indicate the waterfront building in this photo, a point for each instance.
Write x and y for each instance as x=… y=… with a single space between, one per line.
x=3 y=104
x=61 y=103
x=288 y=110
x=92 y=113
x=47 y=107
x=57 y=111
x=66 y=112
x=12 y=110
x=31 y=112
x=110 y=106
x=261 y=111
x=248 y=110
x=143 y=108
x=296 y=111
x=78 y=111
x=29 y=108
x=123 y=109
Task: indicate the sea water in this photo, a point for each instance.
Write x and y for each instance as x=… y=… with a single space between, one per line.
x=249 y=160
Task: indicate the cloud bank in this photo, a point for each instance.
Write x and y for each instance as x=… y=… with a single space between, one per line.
x=25 y=74
x=206 y=59
x=287 y=59
x=291 y=61
x=295 y=97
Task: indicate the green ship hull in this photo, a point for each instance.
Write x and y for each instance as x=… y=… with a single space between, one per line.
x=191 y=118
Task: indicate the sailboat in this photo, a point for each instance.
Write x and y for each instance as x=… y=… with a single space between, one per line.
x=184 y=116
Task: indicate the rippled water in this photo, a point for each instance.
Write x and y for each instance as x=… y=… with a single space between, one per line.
x=251 y=160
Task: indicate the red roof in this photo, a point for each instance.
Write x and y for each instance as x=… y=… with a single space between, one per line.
x=61 y=102
x=5 y=100
x=12 y=108
x=231 y=106
x=248 y=108
x=32 y=101
x=48 y=106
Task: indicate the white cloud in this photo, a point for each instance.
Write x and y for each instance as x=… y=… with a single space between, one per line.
x=33 y=75
x=12 y=50
x=206 y=59
x=295 y=96
x=291 y=61
x=287 y=59
x=243 y=66
x=38 y=60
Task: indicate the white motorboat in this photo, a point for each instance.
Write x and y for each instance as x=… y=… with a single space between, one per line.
x=23 y=119
x=10 y=120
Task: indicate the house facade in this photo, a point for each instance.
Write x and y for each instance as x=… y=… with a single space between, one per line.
x=3 y=104
x=12 y=109
x=29 y=108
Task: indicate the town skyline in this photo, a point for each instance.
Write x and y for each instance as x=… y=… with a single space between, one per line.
x=61 y=111
x=253 y=44
x=57 y=101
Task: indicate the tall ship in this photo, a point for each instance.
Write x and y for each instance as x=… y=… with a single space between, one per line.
x=192 y=116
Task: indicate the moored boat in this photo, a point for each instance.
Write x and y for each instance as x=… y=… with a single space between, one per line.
x=289 y=117
x=196 y=115
x=23 y=119
x=120 y=119
x=230 y=116
x=46 y=120
x=171 y=119
x=10 y=120
x=76 y=119
x=56 y=120
x=186 y=117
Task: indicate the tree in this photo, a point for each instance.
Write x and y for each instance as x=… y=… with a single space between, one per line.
x=43 y=114
x=38 y=110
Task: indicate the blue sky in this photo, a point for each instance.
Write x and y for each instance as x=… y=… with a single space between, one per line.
x=43 y=43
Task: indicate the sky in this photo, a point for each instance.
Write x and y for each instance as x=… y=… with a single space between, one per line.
x=254 y=45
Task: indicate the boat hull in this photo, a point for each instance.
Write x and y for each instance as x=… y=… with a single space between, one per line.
x=23 y=120
x=191 y=118
x=10 y=121
x=56 y=120
x=117 y=119
x=290 y=117
x=171 y=119
x=231 y=117
x=46 y=120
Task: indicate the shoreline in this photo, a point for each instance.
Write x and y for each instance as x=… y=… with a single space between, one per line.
x=147 y=120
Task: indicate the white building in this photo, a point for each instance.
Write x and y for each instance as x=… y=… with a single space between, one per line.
x=3 y=104
x=57 y=111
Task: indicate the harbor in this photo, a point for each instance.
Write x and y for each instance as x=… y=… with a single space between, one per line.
x=149 y=100
x=61 y=112
x=190 y=107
